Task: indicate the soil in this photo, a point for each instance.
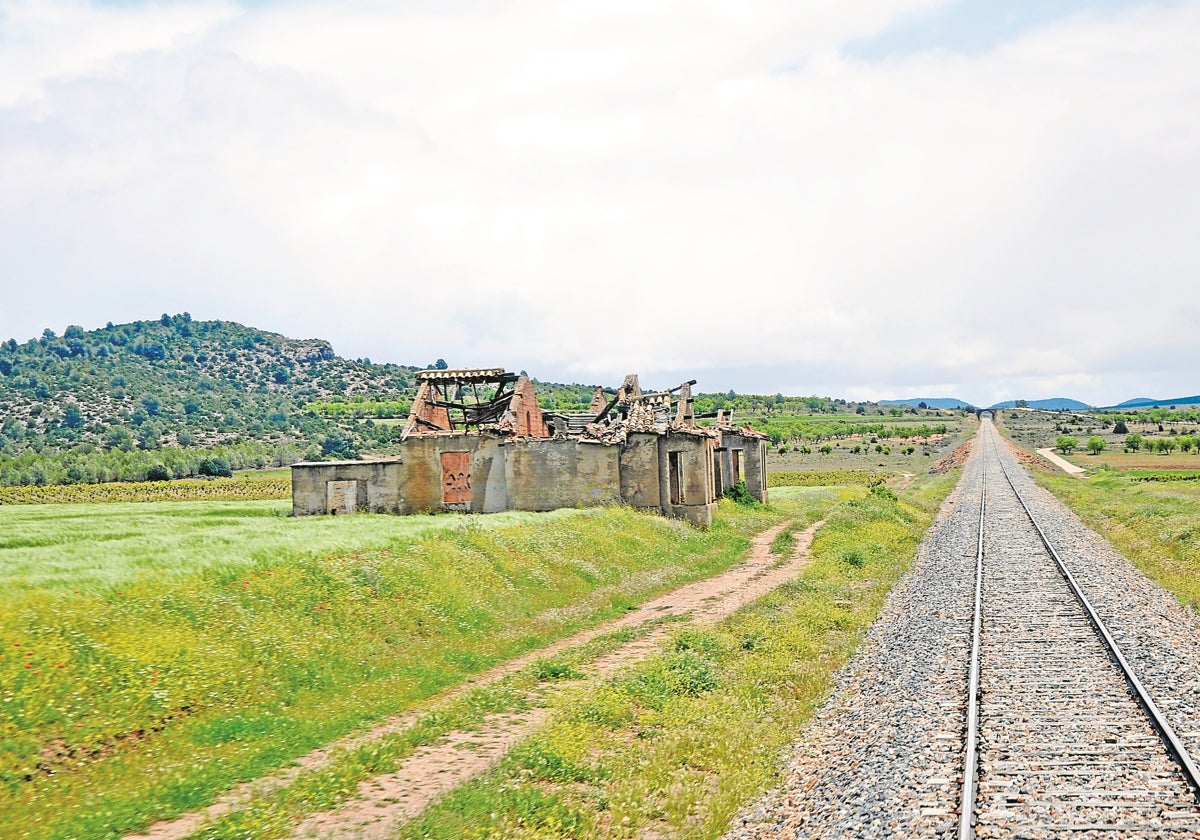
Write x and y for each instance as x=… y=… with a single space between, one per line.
x=955 y=459
x=386 y=801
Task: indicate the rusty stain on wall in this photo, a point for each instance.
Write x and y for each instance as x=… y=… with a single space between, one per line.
x=456 y=477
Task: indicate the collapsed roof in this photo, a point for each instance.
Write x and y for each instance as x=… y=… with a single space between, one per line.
x=495 y=401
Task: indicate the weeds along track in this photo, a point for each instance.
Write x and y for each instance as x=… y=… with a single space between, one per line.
x=1062 y=746
x=1069 y=740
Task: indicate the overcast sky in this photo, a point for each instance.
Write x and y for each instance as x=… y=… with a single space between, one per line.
x=866 y=199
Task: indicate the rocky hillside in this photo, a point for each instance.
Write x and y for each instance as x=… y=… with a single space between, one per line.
x=176 y=384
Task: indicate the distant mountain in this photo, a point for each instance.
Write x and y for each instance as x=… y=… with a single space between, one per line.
x=1052 y=404
x=930 y=402
x=1148 y=402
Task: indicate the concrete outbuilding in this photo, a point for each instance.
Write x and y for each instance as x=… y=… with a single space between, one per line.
x=477 y=441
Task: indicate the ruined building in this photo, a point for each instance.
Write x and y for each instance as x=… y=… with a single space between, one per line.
x=477 y=440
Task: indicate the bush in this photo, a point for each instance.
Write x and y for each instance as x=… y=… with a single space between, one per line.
x=338 y=446
x=741 y=495
x=854 y=558
x=1095 y=444
x=1066 y=444
x=158 y=472
x=214 y=467
x=884 y=492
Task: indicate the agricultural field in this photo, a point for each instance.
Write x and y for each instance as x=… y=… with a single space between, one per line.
x=247 y=486
x=903 y=444
x=155 y=654
x=1164 y=440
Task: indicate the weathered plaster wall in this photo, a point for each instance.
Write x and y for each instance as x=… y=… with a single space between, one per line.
x=310 y=485
x=423 y=485
x=485 y=474
x=756 y=468
x=752 y=453
x=697 y=501
x=550 y=474
x=640 y=486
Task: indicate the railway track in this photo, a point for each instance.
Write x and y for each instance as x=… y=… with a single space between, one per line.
x=1062 y=737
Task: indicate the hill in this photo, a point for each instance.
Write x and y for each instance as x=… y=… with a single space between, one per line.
x=112 y=403
x=1052 y=404
x=930 y=402
x=1147 y=402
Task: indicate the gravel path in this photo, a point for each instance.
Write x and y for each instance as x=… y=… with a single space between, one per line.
x=882 y=757
x=1062 y=463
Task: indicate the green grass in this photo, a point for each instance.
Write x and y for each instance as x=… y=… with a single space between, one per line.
x=675 y=745
x=96 y=548
x=180 y=648
x=823 y=478
x=1156 y=524
x=784 y=544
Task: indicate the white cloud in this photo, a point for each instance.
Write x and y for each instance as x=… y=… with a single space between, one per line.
x=584 y=188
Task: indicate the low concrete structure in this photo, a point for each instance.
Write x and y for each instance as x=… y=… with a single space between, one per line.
x=497 y=450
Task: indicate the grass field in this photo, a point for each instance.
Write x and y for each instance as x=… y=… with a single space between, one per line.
x=824 y=478
x=1153 y=523
x=154 y=654
x=677 y=742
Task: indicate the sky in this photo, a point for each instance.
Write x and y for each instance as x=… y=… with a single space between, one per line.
x=867 y=199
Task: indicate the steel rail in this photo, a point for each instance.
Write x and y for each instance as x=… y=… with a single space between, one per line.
x=966 y=811
x=1175 y=746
